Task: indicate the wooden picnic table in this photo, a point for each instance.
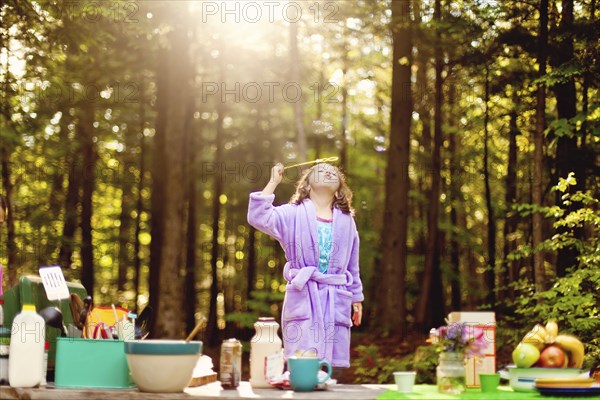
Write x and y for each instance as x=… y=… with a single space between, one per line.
x=209 y=391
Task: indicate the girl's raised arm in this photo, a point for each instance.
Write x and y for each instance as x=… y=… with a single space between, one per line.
x=262 y=214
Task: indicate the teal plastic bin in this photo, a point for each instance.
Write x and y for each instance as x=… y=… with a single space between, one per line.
x=30 y=290
x=91 y=363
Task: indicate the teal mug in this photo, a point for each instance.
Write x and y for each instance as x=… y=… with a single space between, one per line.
x=304 y=373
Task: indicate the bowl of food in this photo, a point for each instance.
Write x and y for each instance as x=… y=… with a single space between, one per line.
x=162 y=366
x=523 y=379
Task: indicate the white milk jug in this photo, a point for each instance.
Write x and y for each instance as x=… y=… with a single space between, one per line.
x=26 y=356
x=265 y=351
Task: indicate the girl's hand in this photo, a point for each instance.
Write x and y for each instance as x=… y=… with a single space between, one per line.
x=276 y=174
x=356 y=313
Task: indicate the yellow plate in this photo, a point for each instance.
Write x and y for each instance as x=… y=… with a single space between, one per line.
x=564 y=383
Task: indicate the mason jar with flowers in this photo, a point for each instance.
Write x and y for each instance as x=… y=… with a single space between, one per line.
x=456 y=343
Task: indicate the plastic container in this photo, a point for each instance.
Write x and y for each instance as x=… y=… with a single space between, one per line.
x=4 y=352
x=30 y=290
x=91 y=363
x=25 y=364
x=265 y=344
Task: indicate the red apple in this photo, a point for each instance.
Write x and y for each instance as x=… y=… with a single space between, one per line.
x=552 y=357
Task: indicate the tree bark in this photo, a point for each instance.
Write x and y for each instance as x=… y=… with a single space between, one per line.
x=423 y=107
x=72 y=202
x=344 y=123
x=88 y=179
x=5 y=154
x=11 y=245
x=159 y=182
x=455 y=200
x=567 y=151
x=189 y=304
x=298 y=102
x=432 y=267
x=510 y=224
x=490 y=276
x=127 y=203
x=538 y=155
x=169 y=290
x=137 y=260
x=393 y=302
x=213 y=328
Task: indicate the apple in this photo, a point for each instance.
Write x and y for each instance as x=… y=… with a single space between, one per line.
x=525 y=355
x=552 y=357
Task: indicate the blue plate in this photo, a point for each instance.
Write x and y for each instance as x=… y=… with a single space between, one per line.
x=589 y=391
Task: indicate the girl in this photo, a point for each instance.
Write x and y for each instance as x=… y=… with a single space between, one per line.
x=318 y=234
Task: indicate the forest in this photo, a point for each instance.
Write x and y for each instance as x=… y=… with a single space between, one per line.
x=132 y=133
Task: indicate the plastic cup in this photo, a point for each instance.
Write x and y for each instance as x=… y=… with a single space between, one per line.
x=405 y=380
x=489 y=382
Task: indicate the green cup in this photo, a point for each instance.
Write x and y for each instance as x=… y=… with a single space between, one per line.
x=304 y=373
x=489 y=382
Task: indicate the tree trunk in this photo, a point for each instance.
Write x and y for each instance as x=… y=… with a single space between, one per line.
x=89 y=156
x=56 y=200
x=11 y=245
x=510 y=223
x=137 y=260
x=189 y=304
x=392 y=309
x=567 y=151
x=297 y=100
x=344 y=123
x=251 y=263
x=423 y=107
x=213 y=328
x=127 y=203
x=159 y=181
x=455 y=199
x=169 y=287
x=431 y=270
x=5 y=153
x=72 y=201
x=538 y=155
x=490 y=276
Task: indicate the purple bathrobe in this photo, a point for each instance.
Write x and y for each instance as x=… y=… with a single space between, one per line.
x=317 y=307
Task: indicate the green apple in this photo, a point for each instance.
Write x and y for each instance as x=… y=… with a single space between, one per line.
x=525 y=355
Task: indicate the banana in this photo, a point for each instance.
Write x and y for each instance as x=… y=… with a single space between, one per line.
x=574 y=347
x=551 y=331
x=536 y=336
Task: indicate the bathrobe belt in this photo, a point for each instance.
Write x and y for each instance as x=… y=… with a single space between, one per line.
x=300 y=276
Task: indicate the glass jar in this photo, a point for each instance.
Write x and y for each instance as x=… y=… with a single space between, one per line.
x=450 y=373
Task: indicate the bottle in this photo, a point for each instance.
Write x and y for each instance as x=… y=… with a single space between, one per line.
x=4 y=347
x=26 y=349
x=265 y=351
x=1 y=311
x=45 y=364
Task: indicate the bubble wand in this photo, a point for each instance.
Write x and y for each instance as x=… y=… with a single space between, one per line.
x=318 y=160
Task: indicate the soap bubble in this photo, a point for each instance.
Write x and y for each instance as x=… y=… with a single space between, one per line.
x=321 y=127
x=290 y=150
x=380 y=144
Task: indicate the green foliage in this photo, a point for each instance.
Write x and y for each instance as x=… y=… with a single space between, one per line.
x=573 y=300
x=373 y=366
x=261 y=303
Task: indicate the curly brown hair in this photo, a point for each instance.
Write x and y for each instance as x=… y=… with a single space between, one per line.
x=342 y=198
